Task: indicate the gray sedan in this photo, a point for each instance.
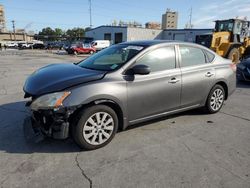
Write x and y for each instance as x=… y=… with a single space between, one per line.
x=123 y=85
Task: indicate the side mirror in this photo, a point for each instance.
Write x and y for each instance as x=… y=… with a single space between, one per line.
x=140 y=69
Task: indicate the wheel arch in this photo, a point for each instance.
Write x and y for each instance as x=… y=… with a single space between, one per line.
x=110 y=103
x=225 y=87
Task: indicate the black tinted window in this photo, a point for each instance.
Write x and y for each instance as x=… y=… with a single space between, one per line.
x=159 y=59
x=191 y=56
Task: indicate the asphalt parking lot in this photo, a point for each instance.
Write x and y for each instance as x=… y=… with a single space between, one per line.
x=190 y=149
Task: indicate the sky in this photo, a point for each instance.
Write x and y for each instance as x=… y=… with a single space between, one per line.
x=65 y=14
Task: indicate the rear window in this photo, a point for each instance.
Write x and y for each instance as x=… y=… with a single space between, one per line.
x=210 y=56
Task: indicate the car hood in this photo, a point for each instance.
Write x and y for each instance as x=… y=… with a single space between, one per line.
x=57 y=77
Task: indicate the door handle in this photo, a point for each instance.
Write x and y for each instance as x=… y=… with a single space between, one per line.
x=173 y=81
x=209 y=74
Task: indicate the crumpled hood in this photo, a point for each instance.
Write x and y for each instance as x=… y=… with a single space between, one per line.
x=57 y=77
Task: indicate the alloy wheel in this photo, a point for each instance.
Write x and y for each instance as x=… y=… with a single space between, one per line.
x=217 y=99
x=98 y=128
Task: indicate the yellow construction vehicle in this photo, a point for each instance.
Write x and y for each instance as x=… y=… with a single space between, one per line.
x=231 y=39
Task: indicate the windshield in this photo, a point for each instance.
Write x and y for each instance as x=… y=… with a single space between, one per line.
x=111 y=58
x=224 y=26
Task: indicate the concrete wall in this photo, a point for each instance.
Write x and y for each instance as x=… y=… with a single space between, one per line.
x=17 y=37
x=186 y=35
x=143 y=34
x=98 y=33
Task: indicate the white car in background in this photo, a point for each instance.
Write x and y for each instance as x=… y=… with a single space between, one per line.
x=12 y=44
x=100 y=44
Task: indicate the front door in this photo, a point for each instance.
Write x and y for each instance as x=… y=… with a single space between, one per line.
x=157 y=92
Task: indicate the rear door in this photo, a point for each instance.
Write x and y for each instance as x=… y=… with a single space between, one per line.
x=198 y=75
x=158 y=91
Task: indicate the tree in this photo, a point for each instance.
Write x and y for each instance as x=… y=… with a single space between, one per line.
x=50 y=34
x=75 y=33
x=58 y=32
x=47 y=33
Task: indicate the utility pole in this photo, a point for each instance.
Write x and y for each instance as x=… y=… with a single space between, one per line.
x=14 y=29
x=90 y=14
x=190 y=18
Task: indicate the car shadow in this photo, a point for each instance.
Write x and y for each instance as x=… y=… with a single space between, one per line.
x=13 y=139
x=194 y=112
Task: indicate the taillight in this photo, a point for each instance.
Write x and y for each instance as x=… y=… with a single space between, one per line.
x=233 y=67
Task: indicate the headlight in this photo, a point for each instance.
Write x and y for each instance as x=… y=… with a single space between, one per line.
x=50 y=101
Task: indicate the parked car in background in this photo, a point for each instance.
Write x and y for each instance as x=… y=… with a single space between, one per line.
x=243 y=70
x=25 y=45
x=11 y=44
x=81 y=48
x=54 y=46
x=38 y=46
x=100 y=44
x=123 y=85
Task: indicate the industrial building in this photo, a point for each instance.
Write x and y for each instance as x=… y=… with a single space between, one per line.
x=169 y=20
x=9 y=36
x=153 y=25
x=16 y=35
x=169 y=31
x=2 y=19
x=186 y=35
x=118 y=34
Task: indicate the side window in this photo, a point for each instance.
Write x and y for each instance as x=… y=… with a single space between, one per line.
x=191 y=56
x=159 y=59
x=210 y=56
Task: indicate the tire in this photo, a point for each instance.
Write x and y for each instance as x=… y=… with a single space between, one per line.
x=234 y=55
x=90 y=135
x=215 y=99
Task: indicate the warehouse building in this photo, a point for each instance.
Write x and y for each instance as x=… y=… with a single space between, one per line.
x=186 y=35
x=118 y=34
x=152 y=31
x=9 y=36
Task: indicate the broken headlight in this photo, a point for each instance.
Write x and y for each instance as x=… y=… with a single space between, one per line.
x=50 y=101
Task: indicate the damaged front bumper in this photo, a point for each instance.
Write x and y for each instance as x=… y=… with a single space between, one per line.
x=48 y=123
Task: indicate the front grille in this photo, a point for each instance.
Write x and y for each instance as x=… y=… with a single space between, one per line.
x=45 y=120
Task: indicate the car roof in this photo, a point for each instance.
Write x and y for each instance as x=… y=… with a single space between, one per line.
x=147 y=42
x=156 y=42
